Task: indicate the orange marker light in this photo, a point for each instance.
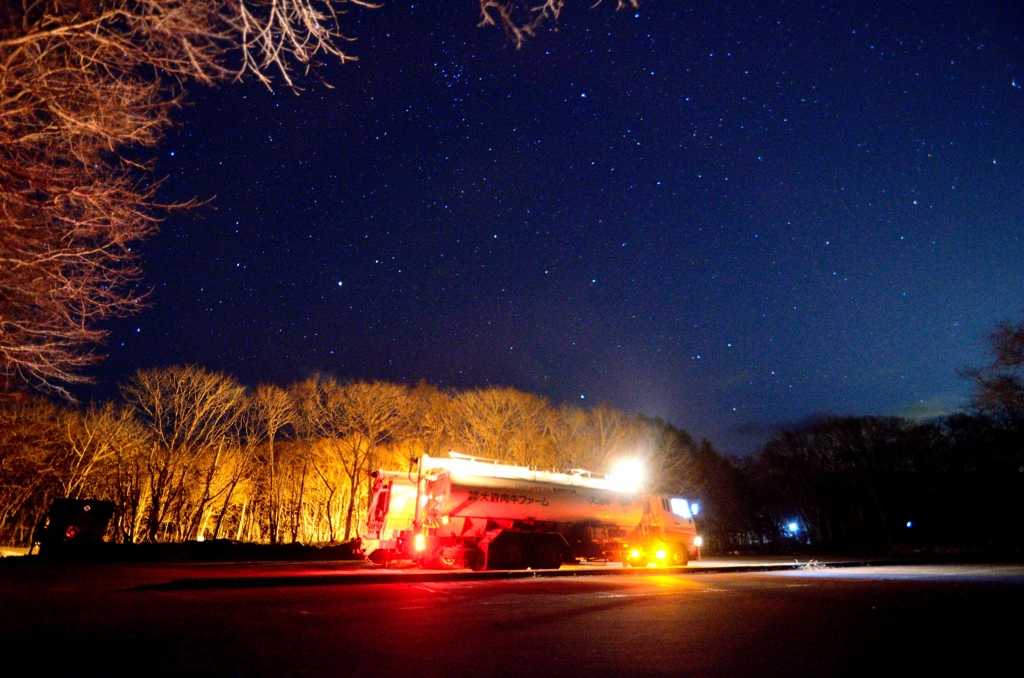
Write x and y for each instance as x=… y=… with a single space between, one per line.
x=420 y=542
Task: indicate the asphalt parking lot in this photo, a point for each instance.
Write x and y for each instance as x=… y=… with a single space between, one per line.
x=95 y=619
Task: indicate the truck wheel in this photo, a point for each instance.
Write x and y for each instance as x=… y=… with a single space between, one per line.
x=679 y=556
x=379 y=557
x=546 y=556
x=440 y=563
x=475 y=560
x=505 y=556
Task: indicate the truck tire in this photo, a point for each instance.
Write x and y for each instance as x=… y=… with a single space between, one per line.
x=440 y=563
x=546 y=556
x=476 y=560
x=505 y=555
x=679 y=556
x=380 y=557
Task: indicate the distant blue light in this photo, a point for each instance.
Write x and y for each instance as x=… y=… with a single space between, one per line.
x=910 y=523
x=695 y=508
x=793 y=527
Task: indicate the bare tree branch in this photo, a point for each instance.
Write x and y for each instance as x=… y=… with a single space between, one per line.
x=999 y=386
x=520 y=19
x=85 y=87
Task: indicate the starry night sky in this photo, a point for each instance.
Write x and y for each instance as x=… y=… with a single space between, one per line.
x=726 y=216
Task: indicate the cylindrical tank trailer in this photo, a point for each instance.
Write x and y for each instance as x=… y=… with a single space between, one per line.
x=465 y=496
x=468 y=512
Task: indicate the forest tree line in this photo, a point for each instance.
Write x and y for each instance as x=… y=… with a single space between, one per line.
x=873 y=484
x=185 y=453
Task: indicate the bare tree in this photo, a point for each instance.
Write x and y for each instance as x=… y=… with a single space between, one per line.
x=87 y=445
x=126 y=484
x=83 y=86
x=29 y=437
x=668 y=457
x=504 y=424
x=373 y=414
x=427 y=428
x=999 y=386
x=319 y=423
x=593 y=439
x=325 y=463
x=187 y=413
x=294 y=462
x=270 y=410
x=352 y=420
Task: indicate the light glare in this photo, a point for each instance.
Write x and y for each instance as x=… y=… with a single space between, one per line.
x=627 y=475
x=680 y=507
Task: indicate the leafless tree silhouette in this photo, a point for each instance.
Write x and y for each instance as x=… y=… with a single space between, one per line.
x=85 y=87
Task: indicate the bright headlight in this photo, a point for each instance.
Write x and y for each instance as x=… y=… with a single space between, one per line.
x=627 y=475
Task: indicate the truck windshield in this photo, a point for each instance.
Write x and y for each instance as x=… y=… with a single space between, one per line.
x=680 y=507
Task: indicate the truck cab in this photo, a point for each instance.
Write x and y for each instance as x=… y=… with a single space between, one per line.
x=391 y=515
x=667 y=534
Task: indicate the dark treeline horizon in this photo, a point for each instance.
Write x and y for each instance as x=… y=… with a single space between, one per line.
x=870 y=484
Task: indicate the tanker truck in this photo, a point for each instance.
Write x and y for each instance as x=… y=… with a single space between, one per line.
x=469 y=512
